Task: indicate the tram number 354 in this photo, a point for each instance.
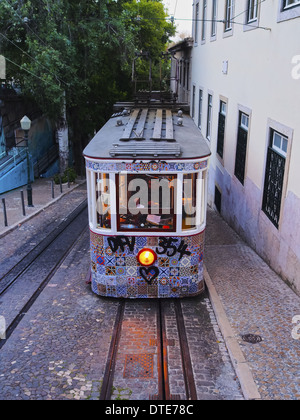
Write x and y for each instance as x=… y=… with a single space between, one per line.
x=166 y=245
x=170 y=249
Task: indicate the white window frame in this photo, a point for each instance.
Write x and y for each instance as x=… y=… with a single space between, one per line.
x=293 y=3
x=245 y=121
x=209 y=116
x=250 y=21
x=229 y=7
x=200 y=108
x=223 y=108
x=204 y=18
x=287 y=133
x=214 y=16
x=193 y=102
x=197 y=13
x=280 y=150
x=287 y=12
x=252 y=11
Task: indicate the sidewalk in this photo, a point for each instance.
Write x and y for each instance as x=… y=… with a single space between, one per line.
x=249 y=298
x=42 y=198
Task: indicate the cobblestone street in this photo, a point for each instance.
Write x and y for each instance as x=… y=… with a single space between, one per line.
x=59 y=349
x=258 y=302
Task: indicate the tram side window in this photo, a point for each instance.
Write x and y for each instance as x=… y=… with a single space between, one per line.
x=189 y=201
x=146 y=202
x=203 y=198
x=103 y=201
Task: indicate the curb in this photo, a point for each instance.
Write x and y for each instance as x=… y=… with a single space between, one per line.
x=242 y=369
x=16 y=225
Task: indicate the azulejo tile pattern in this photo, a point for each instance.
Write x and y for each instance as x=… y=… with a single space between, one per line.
x=152 y=166
x=118 y=273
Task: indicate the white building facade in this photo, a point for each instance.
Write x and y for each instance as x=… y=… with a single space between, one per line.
x=245 y=99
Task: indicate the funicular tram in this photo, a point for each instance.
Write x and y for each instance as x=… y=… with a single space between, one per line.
x=147 y=193
x=147 y=172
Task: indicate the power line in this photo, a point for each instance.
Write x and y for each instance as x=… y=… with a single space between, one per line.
x=28 y=71
x=245 y=11
x=175 y=8
x=34 y=59
x=20 y=17
x=208 y=20
x=23 y=20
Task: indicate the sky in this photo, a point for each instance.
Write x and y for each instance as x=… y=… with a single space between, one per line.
x=182 y=10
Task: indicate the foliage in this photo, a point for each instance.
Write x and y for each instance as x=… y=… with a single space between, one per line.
x=68 y=176
x=82 y=49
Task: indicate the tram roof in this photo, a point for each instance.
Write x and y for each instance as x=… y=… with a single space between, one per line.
x=148 y=132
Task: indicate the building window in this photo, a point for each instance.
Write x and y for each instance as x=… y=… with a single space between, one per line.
x=200 y=108
x=214 y=19
x=193 y=101
x=241 y=147
x=218 y=199
x=209 y=117
x=287 y=4
x=221 y=128
x=188 y=75
x=196 y=23
x=288 y=9
x=181 y=72
x=228 y=15
x=274 y=176
x=252 y=10
x=204 y=13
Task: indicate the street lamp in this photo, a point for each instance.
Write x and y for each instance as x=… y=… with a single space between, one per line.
x=25 y=125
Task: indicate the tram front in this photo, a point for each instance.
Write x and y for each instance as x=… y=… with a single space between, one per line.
x=147 y=195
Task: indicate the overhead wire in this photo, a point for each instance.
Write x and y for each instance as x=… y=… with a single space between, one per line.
x=34 y=59
x=41 y=64
x=207 y=20
x=28 y=71
x=22 y=19
x=143 y=18
x=245 y=11
x=175 y=8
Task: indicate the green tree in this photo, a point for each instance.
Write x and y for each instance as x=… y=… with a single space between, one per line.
x=77 y=54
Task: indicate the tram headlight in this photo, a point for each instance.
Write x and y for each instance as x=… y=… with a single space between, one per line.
x=146 y=257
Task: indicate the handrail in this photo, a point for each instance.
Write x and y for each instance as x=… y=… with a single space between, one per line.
x=17 y=157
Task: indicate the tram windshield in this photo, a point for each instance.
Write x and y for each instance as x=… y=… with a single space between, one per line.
x=146 y=202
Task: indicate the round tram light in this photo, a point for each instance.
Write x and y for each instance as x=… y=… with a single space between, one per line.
x=146 y=257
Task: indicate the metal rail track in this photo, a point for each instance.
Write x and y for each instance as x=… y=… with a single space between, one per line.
x=40 y=264
x=18 y=269
x=162 y=355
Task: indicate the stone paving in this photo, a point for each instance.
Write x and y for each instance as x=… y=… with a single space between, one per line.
x=256 y=301
x=54 y=353
x=214 y=376
x=42 y=198
x=16 y=243
x=59 y=349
